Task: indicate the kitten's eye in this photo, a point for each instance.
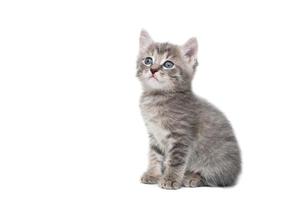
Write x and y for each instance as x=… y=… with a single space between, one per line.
x=168 y=64
x=148 y=61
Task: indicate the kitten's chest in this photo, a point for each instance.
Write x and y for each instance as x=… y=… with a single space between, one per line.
x=154 y=120
x=159 y=133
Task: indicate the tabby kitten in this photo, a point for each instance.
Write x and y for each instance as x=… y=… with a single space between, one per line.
x=192 y=144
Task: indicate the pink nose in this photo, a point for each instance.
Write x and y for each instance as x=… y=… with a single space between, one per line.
x=153 y=70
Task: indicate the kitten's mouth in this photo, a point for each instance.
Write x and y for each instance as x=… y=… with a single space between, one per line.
x=153 y=77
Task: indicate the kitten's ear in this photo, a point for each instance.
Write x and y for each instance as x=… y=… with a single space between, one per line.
x=145 y=40
x=190 y=48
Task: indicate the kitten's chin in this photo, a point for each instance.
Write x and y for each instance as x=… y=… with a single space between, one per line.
x=153 y=83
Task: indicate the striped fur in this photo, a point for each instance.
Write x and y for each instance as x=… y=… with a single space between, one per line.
x=191 y=142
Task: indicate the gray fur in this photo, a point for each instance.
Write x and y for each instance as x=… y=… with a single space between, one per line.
x=191 y=142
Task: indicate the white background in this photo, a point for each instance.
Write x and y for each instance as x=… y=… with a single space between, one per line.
x=70 y=126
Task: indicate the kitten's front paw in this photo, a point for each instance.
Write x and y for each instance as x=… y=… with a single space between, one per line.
x=169 y=183
x=149 y=178
x=191 y=179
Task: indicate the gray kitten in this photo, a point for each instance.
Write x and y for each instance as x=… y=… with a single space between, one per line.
x=192 y=144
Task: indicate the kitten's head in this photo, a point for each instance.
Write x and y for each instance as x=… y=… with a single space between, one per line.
x=165 y=66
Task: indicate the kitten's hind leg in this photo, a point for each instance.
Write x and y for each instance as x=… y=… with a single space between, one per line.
x=192 y=179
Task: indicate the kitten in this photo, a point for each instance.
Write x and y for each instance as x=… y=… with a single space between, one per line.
x=192 y=144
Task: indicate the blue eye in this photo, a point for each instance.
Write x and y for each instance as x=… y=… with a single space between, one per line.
x=148 y=61
x=168 y=64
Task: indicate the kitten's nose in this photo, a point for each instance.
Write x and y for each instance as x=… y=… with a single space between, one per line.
x=153 y=70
